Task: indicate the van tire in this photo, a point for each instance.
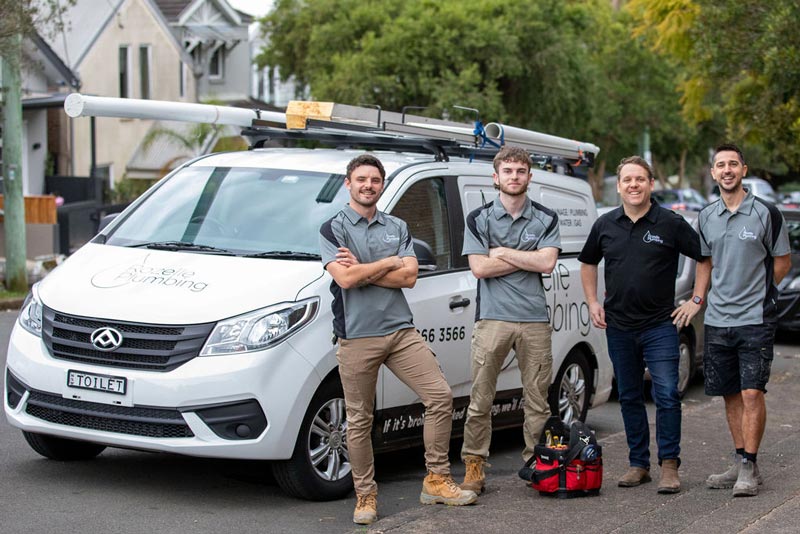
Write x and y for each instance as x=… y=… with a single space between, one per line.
x=686 y=369
x=572 y=388
x=65 y=450
x=299 y=477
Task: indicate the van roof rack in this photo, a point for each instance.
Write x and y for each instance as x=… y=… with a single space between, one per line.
x=353 y=126
x=370 y=127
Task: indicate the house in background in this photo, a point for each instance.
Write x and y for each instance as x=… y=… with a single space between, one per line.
x=46 y=81
x=267 y=85
x=215 y=36
x=119 y=48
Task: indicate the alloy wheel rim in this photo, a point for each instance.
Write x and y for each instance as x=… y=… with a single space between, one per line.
x=572 y=393
x=327 y=441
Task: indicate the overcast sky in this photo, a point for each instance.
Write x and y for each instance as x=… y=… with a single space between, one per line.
x=257 y=8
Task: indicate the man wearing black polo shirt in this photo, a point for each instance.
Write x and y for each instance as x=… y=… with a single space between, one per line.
x=641 y=243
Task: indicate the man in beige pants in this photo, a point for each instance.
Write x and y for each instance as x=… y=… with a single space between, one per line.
x=370 y=257
x=510 y=242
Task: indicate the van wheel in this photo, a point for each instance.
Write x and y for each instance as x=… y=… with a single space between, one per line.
x=686 y=363
x=570 y=392
x=65 y=450
x=319 y=469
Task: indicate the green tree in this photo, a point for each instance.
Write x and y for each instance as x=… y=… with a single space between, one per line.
x=565 y=67
x=741 y=60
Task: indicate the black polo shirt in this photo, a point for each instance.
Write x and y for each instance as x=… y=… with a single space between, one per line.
x=641 y=263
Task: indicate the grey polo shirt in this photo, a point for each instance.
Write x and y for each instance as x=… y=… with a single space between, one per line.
x=367 y=311
x=742 y=247
x=517 y=296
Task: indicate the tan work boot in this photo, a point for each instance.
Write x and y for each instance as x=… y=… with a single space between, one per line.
x=474 y=478
x=633 y=477
x=442 y=489
x=366 y=511
x=669 y=483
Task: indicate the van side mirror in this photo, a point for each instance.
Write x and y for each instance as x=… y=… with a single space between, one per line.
x=425 y=257
x=106 y=220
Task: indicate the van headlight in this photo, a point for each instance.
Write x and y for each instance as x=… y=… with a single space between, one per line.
x=260 y=329
x=30 y=316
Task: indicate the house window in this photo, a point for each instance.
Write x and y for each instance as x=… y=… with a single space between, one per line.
x=144 y=71
x=124 y=72
x=216 y=66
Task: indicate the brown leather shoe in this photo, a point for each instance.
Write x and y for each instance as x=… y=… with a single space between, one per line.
x=633 y=477
x=669 y=483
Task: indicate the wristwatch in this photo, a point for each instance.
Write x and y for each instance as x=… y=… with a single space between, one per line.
x=697 y=300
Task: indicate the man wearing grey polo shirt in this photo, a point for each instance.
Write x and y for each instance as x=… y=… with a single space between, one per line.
x=748 y=243
x=370 y=257
x=510 y=242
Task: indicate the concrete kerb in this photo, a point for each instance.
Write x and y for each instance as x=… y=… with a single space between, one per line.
x=508 y=505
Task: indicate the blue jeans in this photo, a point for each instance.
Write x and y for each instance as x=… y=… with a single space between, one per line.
x=630 y=351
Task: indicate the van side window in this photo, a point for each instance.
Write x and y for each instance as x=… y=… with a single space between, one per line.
x=424 y=208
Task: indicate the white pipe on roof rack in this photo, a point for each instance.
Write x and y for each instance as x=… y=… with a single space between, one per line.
x=78 y=105
x=509 y=134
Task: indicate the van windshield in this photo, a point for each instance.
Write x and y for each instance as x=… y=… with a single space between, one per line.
x=242 y=211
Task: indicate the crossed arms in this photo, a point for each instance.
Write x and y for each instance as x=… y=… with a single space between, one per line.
x=390 y=272
x=502 y=261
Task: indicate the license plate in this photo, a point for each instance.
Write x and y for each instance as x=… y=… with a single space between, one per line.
x=108 y=384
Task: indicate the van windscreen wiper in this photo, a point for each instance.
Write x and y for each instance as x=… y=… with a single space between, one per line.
x=285 y=255
x=182 y=245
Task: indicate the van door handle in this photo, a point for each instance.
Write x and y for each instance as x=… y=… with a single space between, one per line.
x=463 y=303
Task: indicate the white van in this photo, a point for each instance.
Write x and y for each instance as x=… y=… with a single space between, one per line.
x=199 y=321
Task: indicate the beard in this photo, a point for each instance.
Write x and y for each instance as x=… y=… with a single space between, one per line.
x=512 y=192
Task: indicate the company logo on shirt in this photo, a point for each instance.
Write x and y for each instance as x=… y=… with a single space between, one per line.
x=390 y=238
x=652 y=238
x=745 y=235
x=527 y=238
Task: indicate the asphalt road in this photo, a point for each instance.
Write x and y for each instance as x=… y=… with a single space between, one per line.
x=134 y=492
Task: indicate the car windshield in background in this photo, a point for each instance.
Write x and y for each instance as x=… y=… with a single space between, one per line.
x=243 y=211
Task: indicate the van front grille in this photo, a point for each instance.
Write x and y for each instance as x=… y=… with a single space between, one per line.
x=136 y=421
x=144 y=346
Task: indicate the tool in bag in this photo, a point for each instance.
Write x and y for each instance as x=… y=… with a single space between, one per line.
x=565 y=470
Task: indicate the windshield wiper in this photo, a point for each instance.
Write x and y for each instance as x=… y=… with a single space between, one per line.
x=181 y=245
x=285 y=254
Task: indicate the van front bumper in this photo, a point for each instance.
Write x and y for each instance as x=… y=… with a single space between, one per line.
x=251 y=410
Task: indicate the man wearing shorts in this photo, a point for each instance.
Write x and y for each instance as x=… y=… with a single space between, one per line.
x=748 y=243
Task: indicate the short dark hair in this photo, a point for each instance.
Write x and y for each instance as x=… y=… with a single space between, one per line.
x=728 y=147
x=365 y=159
x=635 y=160
x=512 y=153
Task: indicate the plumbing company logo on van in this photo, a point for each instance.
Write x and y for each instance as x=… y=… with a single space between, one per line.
x=141 y=273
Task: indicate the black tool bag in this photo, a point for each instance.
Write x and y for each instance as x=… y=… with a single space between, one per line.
x=565 y=470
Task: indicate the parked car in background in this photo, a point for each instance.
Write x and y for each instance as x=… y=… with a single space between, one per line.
x=760 y=188
x=789 y=298
x=686 y=199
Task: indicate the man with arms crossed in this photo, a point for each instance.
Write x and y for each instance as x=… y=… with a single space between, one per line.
x=748 y=244
x=509 y=243
x=370 y=257
x=641 y=243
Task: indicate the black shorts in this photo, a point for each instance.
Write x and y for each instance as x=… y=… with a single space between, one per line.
x=737 y=358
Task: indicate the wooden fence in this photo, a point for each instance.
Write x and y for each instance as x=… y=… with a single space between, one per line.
x=38 y=209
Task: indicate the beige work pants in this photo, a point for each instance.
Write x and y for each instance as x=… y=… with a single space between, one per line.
x=405 y=353
x=491 y=343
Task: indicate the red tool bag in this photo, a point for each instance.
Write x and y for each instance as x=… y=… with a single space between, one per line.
x=565 y=470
